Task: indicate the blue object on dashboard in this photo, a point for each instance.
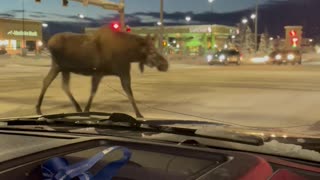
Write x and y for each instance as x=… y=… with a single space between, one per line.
x=58 y=168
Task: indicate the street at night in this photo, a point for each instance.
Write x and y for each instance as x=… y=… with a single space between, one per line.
x=117 y=89
x=251 y=95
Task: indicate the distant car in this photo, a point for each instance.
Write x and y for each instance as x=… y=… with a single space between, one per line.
x=285 y=57
x=3 y=51
x=224 y=57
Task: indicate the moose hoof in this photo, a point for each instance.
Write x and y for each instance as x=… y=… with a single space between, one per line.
x=78 y=109
x=86 y=109
x=38 y=111
x=139 y=115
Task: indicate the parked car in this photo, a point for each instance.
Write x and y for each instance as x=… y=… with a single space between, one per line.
x=285 y=57
x=224 y=57
x=3 y=51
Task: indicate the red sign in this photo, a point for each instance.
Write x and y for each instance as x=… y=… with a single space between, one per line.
x=293 y=33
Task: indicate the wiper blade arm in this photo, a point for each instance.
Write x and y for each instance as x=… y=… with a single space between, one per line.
x=57 y=116
x=124 y=120
x=81 y=118
x=84 y=114
x=231 y=137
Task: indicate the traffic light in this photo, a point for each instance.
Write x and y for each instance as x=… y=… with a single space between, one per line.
x=115 y=26
x=65 y=3
x=128 y=28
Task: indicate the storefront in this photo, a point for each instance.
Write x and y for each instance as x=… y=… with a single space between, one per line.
x=189 y=39
x=17 y=34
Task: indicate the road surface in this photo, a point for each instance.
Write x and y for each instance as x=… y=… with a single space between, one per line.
x=253 y=95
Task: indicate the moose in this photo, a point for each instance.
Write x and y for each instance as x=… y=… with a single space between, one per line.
x=103 y=53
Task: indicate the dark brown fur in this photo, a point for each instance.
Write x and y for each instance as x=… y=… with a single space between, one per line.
x=103 y=53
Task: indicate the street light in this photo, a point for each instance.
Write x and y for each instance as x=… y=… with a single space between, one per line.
x=256 y=26
x=271 y=38
x=44 y=25
x=161 y=26
x=211 y=2
x=244 y=20
x=81 y=16
x=253 y=16
x=188 y=18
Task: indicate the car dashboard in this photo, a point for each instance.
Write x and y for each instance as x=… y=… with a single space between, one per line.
x=23 y=152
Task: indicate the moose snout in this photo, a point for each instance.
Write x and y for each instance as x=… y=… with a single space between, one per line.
x=163 y=66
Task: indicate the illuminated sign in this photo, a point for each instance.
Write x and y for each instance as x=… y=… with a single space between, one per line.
x=199 y=29
x=20 y=33
x=293 y=33
x=294 y=38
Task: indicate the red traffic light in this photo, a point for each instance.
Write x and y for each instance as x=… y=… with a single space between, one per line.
x=128 y=29
x=115 y=26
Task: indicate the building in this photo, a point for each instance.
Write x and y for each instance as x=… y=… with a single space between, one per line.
x=16 y=34
x=189 y=39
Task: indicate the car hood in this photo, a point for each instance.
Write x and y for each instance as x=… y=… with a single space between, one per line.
x=276 y=141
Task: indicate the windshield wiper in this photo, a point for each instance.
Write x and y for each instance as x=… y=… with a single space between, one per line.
x=120 y=120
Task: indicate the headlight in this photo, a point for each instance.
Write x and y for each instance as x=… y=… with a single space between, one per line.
x=278 y=56
x=209 y=57
x=290 y=57
x=222 y=57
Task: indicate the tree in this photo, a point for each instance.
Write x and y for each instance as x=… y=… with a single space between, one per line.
x=249 y=43
x=263 y=47
x=240 y=39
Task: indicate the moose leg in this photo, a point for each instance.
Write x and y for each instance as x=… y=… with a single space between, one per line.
x=94 y=86
x=126 y=85
x=54 y=71
x=66 y=88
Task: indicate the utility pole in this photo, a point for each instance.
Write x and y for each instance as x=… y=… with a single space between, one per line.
x=122 y=20
x=256 y=27
x=23 y=29
x=105 y=4
x=211 y=27
x=161 y=27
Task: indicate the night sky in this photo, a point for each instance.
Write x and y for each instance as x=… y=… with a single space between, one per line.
x=132 y=6
x=274 y=14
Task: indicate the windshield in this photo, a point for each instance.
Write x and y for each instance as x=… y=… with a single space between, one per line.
x=63 y=56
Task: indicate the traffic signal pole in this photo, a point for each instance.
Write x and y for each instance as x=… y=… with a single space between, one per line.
x=161 y=27
x=121 y=12
x=119 y=7
x=256 y=28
